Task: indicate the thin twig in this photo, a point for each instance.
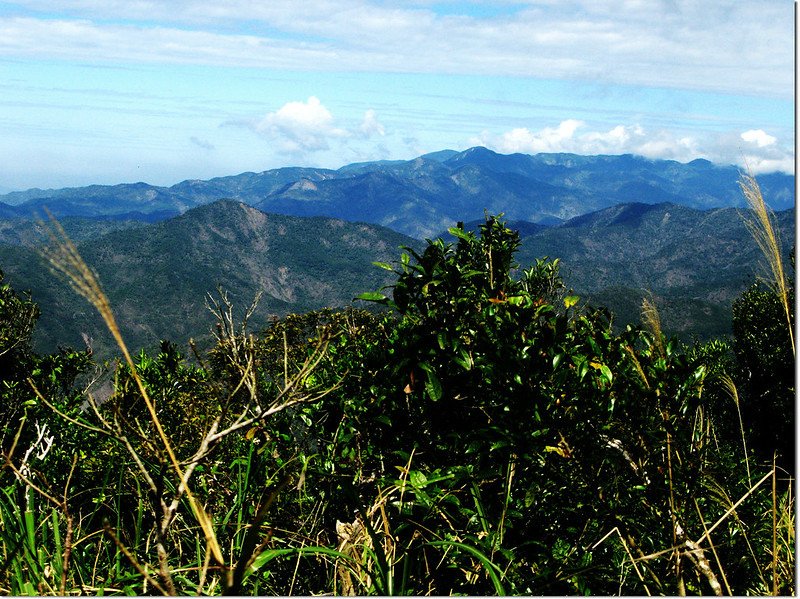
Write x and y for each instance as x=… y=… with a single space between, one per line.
x=89 y=427
x=733 y=508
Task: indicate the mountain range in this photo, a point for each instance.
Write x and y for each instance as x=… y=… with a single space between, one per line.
x=425 y=195
x=623 y=227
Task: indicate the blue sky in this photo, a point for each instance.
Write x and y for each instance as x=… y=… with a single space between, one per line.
x=160 y=91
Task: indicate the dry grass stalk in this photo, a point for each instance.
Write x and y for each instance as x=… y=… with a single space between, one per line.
x=713 y=548
x=652 y=321
x=786 y=522
x=65 y=261
x=762 y=228
x=353 y=538
x=627 y=551
x=774 y=528
x=132 y=559
x=629 y=350
x=733 y=507
x=730 y=389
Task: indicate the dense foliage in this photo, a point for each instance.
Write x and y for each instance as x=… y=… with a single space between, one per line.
x=489 y=434
x=764 y=352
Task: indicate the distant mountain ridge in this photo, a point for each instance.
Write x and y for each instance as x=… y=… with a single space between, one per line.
x=424 y=195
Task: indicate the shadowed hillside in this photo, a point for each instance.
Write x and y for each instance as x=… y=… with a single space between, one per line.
x=157 y=276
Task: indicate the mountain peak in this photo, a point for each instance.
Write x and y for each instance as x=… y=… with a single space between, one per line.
x=474 y=153
x=440 y=156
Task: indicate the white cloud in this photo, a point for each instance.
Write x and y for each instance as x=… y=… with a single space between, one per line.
x=759 y=137
x=547 y=140
x=763 y=154
x=301 y=128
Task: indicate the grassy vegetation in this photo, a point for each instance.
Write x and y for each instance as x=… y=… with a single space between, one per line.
x=490 y=435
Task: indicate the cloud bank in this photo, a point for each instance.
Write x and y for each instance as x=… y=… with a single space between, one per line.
x=754 y=149
x=726 y=45
x=675 y=79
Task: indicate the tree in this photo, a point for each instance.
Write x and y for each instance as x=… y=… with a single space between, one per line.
x=527 y=429
x=766 y=373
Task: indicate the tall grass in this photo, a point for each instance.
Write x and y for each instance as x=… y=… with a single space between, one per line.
x=773 y=511
x=65 y=260
x=760 y=222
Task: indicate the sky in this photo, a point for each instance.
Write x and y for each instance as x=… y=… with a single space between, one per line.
x=160 y=91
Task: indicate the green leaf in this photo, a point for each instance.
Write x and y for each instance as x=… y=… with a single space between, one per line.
x=464 y=359
x=433 y=386
x=494 y=572
x=440 y=339
x=417 y=478
x=605 y=372
x=583 y=368
x=570 y=301
x=460 y=233
x=267 y=556
x=384 y=266
x=373 y=296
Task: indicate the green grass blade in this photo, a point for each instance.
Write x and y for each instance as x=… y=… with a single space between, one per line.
x=493 y=571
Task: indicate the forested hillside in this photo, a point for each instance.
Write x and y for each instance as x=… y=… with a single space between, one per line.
x=158 y=276
x=691 y=263
x=487 y=433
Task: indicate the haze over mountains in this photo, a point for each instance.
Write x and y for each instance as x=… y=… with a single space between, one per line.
x=623 y=227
